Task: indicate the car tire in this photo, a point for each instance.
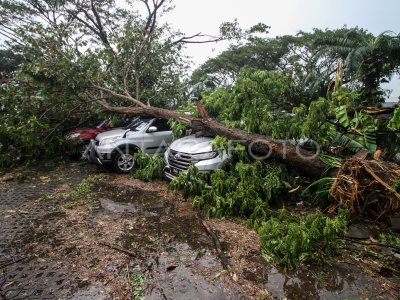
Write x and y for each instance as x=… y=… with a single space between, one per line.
x=77 y=150
x=123 y=161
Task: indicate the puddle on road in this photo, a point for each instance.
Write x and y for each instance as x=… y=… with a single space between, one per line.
x=181 y=273
x=338 y=281
x=116 y=207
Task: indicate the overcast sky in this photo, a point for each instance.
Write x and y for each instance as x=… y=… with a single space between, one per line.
x=284 y=17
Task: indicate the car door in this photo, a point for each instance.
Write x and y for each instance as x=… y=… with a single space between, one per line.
x=157 y=142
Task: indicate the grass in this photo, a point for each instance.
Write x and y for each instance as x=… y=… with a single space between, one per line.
x=46 y=198
x=135 y=278
x=83 y=191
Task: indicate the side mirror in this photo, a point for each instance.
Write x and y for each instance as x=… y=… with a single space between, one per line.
x=126 y=131
x=152 y=129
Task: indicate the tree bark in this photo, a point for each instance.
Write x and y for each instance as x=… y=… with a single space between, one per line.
x=261 y=146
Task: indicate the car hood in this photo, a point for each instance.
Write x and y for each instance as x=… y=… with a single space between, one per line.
x=80 y=130
x=192 y=145
x=118 y=132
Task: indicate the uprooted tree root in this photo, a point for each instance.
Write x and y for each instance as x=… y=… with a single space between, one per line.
x=367 y=188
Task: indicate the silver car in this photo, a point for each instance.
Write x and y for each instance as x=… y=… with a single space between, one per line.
x=117 y=147
x=192 y=150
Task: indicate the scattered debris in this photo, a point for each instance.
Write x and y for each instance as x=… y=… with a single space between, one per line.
x=118 y=248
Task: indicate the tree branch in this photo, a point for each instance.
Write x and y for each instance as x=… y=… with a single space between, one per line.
x=188 y=39
x=117 y=95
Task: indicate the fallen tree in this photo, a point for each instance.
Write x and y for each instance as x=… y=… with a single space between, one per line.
x=366 y=187
x=305 y=161
x=136 y=61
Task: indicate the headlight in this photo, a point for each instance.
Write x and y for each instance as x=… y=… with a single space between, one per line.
x=166 y=156
x=73 y=136
x=204 y=156
x=108 y=141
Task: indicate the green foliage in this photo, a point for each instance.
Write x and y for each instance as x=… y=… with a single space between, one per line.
x=191 y=183
x=179 y=128
x=344 y=97
x=51 y=89
x=314 y=126
x=289 y=239
x=389 y=238
x=368 y=60
x=341 y=116
x=321 y=191
x=394 y=123
x=256 y=54
x=46 y=198
x=396 y=185
x=82 y=191
x=9 y=62
x=136 y=281
x=42 y=99
x=147 y=167
x=330 y=161
x=361 y=130
x=235 y=151
x=253 y=103
x=241 y=189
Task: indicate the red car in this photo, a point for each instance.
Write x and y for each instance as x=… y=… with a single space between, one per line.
x=81 y=136
x=84 y=135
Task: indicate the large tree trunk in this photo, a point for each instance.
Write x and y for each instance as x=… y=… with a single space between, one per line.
x=359 y=183
x=305 y=161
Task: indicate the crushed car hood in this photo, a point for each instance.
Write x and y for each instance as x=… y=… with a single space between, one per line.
x=119 y=132
x=192 y=144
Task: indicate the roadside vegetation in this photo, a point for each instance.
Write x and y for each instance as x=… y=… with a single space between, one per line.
x=322 y=87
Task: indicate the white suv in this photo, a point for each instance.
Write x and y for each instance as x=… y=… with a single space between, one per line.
x=192 y=150
x=117 y=147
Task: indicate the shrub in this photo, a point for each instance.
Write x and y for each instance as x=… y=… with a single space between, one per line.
x=82 y=191
x=240 y=189
x=291 y=239
x=147 y=167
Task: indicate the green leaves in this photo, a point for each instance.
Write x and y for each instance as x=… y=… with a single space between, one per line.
x=147 y=167
x=341 y=116
x=191 y=183
x=394 y=123
x=253 y=103
x=289 y=239
x=241 y=189
x=361 y=131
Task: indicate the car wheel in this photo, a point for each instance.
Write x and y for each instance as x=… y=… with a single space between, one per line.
x=123 y=162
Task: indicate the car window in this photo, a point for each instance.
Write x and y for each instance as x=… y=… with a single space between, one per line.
x=138 y=126
x=161 y=124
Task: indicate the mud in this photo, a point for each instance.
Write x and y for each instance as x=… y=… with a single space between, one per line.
x=174 y=252
x=338 y=281
x=53 y=248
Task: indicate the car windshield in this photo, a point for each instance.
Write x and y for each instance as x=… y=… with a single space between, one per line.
x=137 y=126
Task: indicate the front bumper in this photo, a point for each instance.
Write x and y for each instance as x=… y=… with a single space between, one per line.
x=204 y=166
x=97 y=157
